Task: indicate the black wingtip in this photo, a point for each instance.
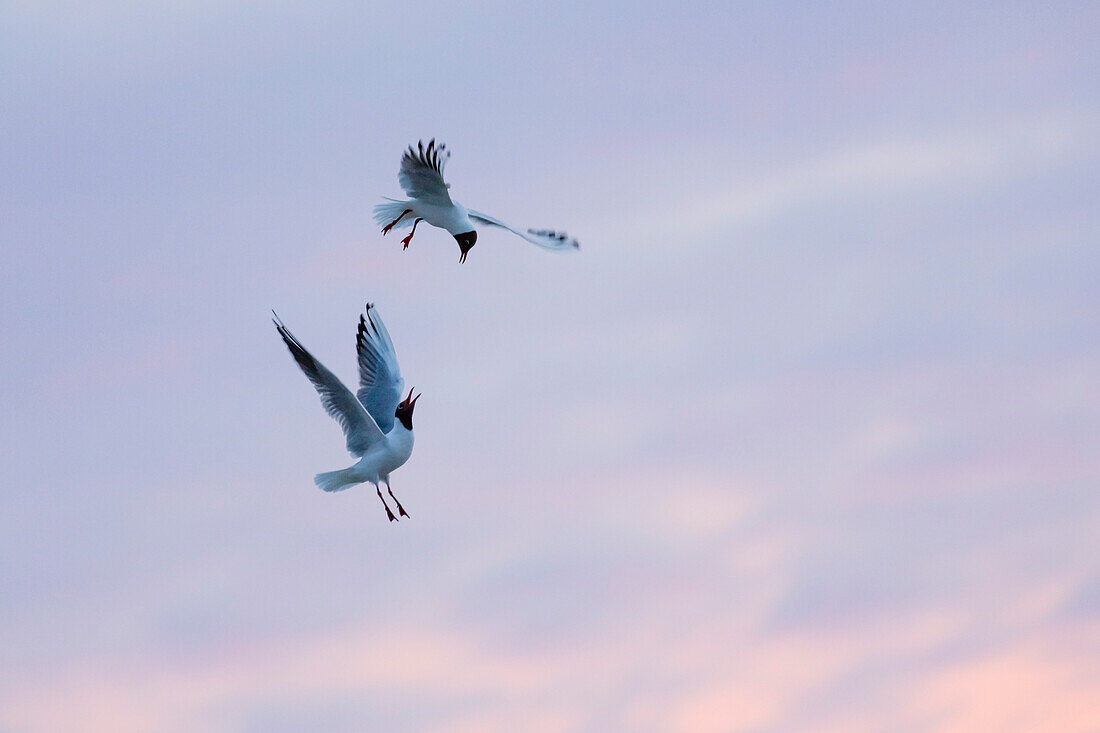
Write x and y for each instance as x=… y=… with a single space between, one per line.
x=365 y=318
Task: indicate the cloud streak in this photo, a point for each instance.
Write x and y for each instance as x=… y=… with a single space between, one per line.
x=943 y=164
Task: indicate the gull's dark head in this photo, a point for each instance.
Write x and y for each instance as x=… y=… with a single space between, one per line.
x=466 y=242
x=404 y=411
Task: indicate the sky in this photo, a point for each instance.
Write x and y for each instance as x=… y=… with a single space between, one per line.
x=804 y=438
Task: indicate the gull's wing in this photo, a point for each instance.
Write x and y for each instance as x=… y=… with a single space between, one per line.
x=339 y=402
x=380 y=381
x=421 y=173
x=545 y=238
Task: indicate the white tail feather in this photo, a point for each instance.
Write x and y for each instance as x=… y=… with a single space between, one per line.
x=334 y=480
x=389 y=209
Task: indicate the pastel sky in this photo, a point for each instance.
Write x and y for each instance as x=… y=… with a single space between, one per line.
x=805 y=437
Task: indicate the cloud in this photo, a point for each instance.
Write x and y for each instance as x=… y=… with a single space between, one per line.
x=947 y=162
x=905 y=672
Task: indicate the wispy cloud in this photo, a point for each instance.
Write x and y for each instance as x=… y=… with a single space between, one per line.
x=948 y=164
x=432 y=678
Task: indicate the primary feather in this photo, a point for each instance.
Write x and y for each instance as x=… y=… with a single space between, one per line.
x=421 y=174
x=359 y=427
x=380 y=380
x=545 y=238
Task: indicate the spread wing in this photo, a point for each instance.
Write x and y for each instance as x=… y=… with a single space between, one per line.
x=338 y=401
x=421 y=173
x=545 y=238
x=380 y=380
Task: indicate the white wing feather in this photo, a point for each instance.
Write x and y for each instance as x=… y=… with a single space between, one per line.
x=421 y=174
x=380 y=380
x=358 y=426
x=545 y=238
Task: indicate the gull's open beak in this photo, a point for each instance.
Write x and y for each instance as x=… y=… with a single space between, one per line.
x=410 y=401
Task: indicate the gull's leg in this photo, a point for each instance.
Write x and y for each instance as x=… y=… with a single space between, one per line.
x=386 y=229
x=388 y=512
x=400 y=509
x=408 y=239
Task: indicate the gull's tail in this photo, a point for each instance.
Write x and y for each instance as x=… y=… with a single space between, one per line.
x=335 y=480
x=390 y=211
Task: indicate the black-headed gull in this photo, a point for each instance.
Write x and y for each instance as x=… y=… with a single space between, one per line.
x=376 y=421
x=421 y=176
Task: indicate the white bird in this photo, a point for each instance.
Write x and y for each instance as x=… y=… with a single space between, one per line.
x=376 y=421
x=421 y=176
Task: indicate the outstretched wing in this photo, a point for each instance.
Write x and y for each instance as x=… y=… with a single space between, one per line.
x=380 y=381
x=421 y=173
x=545 y=238
x=339 y=402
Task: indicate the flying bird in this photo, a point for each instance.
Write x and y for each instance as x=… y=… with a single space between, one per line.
x=376 y=421
x=421 y=176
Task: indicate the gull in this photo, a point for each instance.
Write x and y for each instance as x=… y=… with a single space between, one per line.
x=421 y=176
x=376 y=421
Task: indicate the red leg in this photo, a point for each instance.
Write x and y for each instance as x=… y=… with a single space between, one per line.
x=400 y=509
x=408 y=239
x=386 y=229
x=388 y=512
